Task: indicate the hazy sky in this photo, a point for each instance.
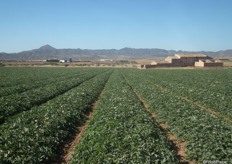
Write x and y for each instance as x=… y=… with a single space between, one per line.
x=106 y=24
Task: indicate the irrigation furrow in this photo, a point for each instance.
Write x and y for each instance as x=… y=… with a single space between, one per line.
x=40 y=132
x=14 y=105
x=28 y=76
x=207 y=136
x=122 y=131
x=198 y=104
x=201 y=106
x=19 y=89
x=69 y=149
x=209 y=89
x=178 y=144
x=80 y=131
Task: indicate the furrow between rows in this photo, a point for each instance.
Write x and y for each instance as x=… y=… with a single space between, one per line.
x=20 y=88
x=201 y=106
x=178 y=144
x=207 y=137
x=72 y=144
x=12 y=105
x=36 y=136
x=121 y=131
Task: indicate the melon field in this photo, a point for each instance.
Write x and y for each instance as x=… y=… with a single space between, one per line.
x=104 y=115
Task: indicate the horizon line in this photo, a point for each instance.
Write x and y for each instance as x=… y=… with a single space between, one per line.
x=117 y=49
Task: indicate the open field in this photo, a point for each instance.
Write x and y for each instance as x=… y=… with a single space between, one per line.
x=93 y=63
x=110 y=115
x=98 y=63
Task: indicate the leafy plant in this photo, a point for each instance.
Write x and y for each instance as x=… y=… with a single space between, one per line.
x=121 y=130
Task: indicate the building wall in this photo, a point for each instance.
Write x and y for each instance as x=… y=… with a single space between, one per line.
x=164 y=65
x=169 y=59
x=215 y=64
x=205 y=64
x=188 y=61
x=184 y=61
x=199 y=64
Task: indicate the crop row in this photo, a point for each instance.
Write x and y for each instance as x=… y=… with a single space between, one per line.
x=16 y=103
x=34 y=136
x=122 y=131
x=213 y=88
x=18 y=76
x=207 y=136
x=36 y=83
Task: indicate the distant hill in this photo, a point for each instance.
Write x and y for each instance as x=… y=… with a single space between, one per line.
x=49 y=52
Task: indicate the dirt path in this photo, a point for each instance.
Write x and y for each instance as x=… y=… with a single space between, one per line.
x=70 y=148
x=179 y=145
x=201 y=106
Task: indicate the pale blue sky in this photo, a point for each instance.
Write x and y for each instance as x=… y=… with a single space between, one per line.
x=106 y=24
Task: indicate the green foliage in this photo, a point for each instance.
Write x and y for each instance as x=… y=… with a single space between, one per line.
x=34 y=79
x=16 y=103
x=40 y=108
x=34 y=136
x=207 y=136
x=210 y=87
x=121 y=130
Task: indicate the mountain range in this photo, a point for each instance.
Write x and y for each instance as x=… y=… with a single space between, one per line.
x=49 y=52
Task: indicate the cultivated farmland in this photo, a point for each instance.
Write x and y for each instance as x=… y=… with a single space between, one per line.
x=102 y=115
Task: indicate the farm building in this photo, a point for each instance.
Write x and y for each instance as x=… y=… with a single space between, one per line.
x=66 y=60
x=185 y=60
x=208 y=63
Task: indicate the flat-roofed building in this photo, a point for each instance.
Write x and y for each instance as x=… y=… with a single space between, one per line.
x=185 y=60
x=208 y=63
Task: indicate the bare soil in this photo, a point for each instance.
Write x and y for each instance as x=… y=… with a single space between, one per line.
x=179 y=145
x=70 y=148
x=77 y=138
x=201 y=106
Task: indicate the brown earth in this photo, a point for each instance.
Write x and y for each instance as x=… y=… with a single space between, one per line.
x=201 y=106
x=70 y=148
x=178 y=143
